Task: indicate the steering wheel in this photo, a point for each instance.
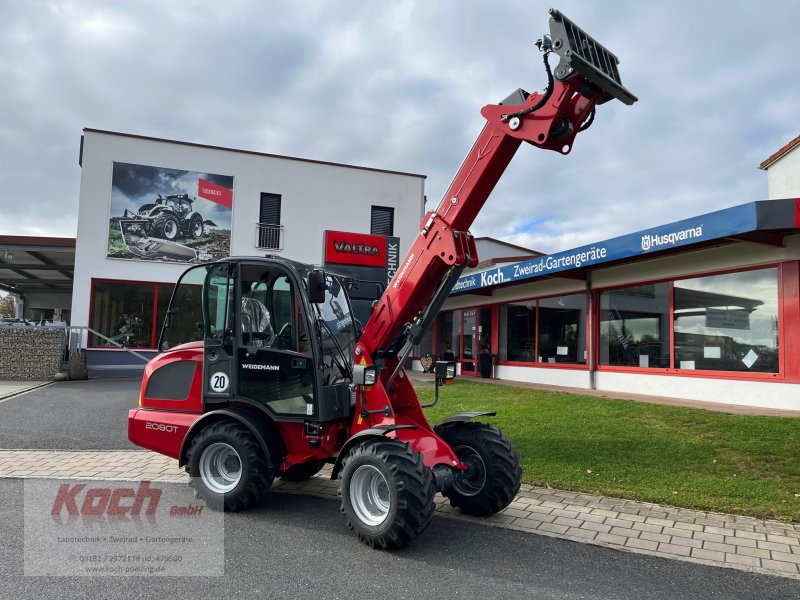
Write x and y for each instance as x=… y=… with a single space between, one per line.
x=250 y=338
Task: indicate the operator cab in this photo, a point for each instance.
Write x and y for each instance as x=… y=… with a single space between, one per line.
x=264 y=342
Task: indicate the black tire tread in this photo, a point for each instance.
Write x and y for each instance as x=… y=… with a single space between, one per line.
x=415 y=492
x=257 y=476
x=503 y=470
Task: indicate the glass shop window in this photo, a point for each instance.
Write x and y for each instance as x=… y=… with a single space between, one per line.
x=728 y=322
x=448 y=335
x=634 y=326
x=123 y=313
x=562 y=329
x=517 y=323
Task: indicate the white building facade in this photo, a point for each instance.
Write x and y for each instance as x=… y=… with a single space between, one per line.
x=127 y=259
x=783 y=171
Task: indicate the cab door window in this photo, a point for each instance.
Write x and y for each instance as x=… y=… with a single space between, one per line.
x=199 y=309
x=275 y=367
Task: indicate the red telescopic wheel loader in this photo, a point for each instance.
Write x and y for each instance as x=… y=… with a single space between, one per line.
x=264 y=372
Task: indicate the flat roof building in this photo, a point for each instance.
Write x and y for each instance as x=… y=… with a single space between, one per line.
x=706 y=308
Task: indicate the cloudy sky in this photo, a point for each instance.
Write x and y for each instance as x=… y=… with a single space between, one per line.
x=399 y=85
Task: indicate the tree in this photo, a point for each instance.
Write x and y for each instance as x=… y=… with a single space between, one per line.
x=7 y=305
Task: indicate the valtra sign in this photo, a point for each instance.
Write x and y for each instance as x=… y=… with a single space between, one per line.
x=345 y=248
x=216 y=193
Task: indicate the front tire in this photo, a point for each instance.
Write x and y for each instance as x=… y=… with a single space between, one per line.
x=228 y=468
x=493 y=474
x=387 y=493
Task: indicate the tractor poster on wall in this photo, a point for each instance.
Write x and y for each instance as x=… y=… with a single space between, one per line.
x=169 y=215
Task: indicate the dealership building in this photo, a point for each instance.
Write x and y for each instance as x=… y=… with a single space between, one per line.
x=705 y=308
x=149 y=208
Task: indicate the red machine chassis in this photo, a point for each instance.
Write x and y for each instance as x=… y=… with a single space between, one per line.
x=391 y=407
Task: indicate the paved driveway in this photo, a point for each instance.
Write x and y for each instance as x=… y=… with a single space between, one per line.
x=91 y=416
x=73 y=415
x=299 y=547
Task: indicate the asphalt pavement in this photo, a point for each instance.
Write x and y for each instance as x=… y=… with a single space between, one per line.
x=71 y=415
x=299 y=547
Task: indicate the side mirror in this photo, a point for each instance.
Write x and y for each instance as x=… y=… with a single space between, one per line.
x=316 y=286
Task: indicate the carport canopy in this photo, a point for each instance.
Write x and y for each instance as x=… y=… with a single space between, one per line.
x=36 y=264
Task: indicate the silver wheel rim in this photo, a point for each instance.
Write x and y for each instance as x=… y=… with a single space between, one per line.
x=170 y=229
x=369 y=495
x=220 y=468
x=198 y=229
x=472 y=481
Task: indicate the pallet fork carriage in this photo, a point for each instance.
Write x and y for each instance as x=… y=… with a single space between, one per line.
x=264 y=372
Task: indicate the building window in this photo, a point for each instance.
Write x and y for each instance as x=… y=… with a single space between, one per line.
x=517 y=322
x=382 y=222
x=562 y=334
x=635 y=326
x=164 y=296
x=269 y=222
x=548 y=331
x=448 y=335
x=122 y=312
x=727 y=322
x=425 y=345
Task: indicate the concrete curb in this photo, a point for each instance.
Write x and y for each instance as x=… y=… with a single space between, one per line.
x=18 y=389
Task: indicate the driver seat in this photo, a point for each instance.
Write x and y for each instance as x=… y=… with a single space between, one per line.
x=255 y=319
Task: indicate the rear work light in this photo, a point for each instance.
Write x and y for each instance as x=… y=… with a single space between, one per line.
x=445 y=371
x=366 y=375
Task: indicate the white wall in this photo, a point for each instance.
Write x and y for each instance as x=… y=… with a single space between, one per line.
x=727 y=391
x=783 y=176
x=315 y=197
x=729 y=256
x=562 y=377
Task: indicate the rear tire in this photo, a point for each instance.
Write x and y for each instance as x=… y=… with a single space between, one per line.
x=493 y=476
x=387 y=493
x=228 y=468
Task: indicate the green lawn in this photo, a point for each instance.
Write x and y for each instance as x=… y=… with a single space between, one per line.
x=684 y=457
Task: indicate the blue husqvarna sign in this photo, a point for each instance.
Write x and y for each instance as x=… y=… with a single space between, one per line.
x=720 y=224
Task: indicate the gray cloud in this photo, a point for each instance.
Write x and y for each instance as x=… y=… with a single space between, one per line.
x=399 y=86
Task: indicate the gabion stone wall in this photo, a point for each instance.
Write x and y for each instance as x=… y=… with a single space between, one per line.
x=30 y=353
